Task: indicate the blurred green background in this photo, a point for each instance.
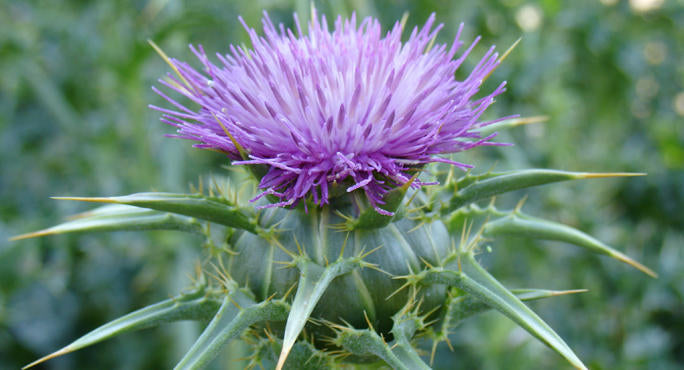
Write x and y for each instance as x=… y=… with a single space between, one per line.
x=75 y=80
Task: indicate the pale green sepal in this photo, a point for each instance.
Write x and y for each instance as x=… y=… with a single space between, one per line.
x=466 y=274
x=120 y=218
x=313 y=281
x=199 y=304
x=237 y=312
x=522 y=225
x=472 y=188
x=209 y=208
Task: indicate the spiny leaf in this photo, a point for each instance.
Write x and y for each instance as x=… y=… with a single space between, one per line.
x=196 y=305
x=472 y=188
x=406 y=323
x=408 y=356
x=461 y=307
x=523 y=225
x=313 y=281
x=471 y=214
x=303 y=356
x=364 y=342
x=120 y=218
x=213 y=209
x=466 y=274
x=237 y=312
x=478 y=282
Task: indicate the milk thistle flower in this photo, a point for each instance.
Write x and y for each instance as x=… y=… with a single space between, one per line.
x=348 y=106
x=326 y=113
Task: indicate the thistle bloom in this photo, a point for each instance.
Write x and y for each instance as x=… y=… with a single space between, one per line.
x=348 y=106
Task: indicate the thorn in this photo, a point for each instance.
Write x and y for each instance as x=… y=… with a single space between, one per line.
x=289 y=291
x=271 y=297
x=432 y=353
x=626 y=259
x=287 y=251
x=34 y=234
x=413 y=196
x=375 y=267
x=527 y=120
x=285 y=264
x=431 y=43
x=415 y=209
x=88 y=199
x=398 y=290
x=426 y=262
x=61 y=352
x=268 y=335
x=521 y=202
x=163 y=55
x=235 y=303
x=364 y=255
x=510 y=49
x=299 y=247
x=571 y=291
x=432 y=311
x=404 y=19
x=503 y=56
x=448 y=342
x=365 y=315
x=420 y=224
x=450 y=176
x=601 y=175
x=240 y=148
x=344 y=245
x=339 y=213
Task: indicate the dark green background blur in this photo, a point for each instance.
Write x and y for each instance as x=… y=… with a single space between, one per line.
x=75 y=80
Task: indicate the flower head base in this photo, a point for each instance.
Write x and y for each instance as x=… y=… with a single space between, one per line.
x=348 y=106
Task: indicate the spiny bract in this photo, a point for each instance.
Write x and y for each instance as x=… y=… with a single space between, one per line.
x=338 y=252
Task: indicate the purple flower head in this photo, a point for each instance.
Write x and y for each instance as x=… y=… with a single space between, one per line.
x=347 y=106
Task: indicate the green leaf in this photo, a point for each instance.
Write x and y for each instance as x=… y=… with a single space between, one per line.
x=313 y=281
x=199 y=304
x=303 y=356
x=473 y=279
x=365 y=342
x=519 y=224
x=472 y=188
x=237 y=312
x=213 y=209
x=406 y=322
x=120 y=218
x=461 y=307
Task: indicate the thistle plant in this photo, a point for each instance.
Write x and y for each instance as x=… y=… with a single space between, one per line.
x=348 y=229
